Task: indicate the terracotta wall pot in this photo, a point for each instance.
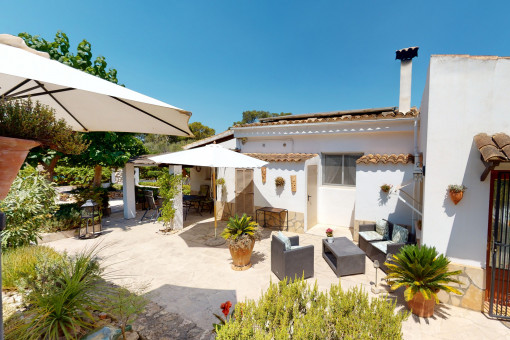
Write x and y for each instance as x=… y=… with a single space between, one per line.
x=241 y=256
x=456 y=196
x=421 y=307
x=13 y=152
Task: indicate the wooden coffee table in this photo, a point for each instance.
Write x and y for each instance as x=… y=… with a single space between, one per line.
x=343 y=256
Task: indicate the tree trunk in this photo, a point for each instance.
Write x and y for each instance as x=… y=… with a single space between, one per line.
x=50 y=168
x=98 y=170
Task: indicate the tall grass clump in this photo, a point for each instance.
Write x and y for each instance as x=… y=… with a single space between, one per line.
x=19 y=264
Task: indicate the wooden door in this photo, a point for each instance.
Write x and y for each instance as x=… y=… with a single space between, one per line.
x=498 y=247
x=244 y=192
x=311 y=191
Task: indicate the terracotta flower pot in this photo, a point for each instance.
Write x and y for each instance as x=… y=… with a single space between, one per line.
x=420 y=306
x=241 y=256
x=13 y=152
x=456 y=196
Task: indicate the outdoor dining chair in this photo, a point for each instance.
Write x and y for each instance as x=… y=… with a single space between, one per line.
x=151 y=205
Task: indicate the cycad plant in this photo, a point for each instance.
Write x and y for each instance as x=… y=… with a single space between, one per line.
x=421 y=270
x=239 y=230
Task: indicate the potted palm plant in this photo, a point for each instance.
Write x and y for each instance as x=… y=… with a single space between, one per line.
x=424 y=273
x=241 y=234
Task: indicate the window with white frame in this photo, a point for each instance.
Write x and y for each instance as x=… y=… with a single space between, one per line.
x=339 y=169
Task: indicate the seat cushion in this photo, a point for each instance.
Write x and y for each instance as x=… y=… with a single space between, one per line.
x=382 y=245
x=295 y=247
x=285 y=240
x=371 y=236
x=400 y=234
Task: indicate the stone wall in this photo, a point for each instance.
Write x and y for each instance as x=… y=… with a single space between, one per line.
x=472 y=288
x=225 y=210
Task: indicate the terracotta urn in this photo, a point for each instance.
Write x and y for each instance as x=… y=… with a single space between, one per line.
x=241 y=257
x=456 y=196
x=13 y=152
x=421 y=307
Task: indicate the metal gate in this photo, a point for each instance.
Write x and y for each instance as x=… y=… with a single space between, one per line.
x=499 y=243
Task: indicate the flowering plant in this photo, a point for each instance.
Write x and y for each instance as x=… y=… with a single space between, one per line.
x=456 y=188
x=225 y=309
x=329 y=232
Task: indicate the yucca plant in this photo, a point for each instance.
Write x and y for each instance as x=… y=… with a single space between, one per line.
x=240 y=230
x=61 y=300
x=421 y=270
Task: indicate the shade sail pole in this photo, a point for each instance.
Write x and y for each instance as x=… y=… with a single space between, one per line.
x=214 y=199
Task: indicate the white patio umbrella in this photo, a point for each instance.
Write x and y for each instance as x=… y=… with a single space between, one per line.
x=86 y=102
x=214 y=156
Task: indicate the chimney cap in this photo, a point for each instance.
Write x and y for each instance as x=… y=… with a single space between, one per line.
x=407 y=53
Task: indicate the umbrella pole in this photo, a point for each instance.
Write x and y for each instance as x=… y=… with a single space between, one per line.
x=214 y=199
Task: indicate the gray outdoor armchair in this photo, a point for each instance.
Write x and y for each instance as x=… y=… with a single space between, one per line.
x=291 y=263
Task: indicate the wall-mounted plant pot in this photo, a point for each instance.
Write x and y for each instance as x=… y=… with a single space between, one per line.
x=13 y=152
x=456 y=197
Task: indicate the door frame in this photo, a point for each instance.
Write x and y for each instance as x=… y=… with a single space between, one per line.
x=307 y=227
x=493 y=309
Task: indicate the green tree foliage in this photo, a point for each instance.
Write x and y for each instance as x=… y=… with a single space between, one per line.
x=162 y=143
x=60 y=50
x=254 y=115
x=300 y=311
x=29 y=204
x=201 y=131
x=110 y=149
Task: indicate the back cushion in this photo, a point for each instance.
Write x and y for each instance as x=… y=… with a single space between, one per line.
x=284 y=239
x=400 y=234
x=381 y=226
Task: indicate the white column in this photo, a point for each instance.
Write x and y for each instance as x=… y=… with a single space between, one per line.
x=128 y=189
x=178 y=219
x=406 y=70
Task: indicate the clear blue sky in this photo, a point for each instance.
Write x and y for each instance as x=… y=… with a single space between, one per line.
x=219 y=58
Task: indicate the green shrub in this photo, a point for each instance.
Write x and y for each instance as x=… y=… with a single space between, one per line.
x=96 y=194
x=118 y=187
x=168 y=188
x=186 y=189
x=67 y=217
x=60 y=300
x=81 y=176
x=151 y=172
x=148 y=184
x=299 y=311
x=28 y=206
x=20 y=263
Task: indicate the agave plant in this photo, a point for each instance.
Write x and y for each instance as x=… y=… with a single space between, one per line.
x=421 y=270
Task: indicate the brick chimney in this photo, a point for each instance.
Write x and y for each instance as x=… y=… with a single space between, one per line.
x=406 y=56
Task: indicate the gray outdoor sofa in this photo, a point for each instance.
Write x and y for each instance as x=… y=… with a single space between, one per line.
x=377 y=245
x=291 y=263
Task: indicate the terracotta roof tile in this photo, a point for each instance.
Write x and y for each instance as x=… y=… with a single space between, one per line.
x=334 y=117
x=282 y=157
x=386 y=158
x=220 y=137
x=493 y=148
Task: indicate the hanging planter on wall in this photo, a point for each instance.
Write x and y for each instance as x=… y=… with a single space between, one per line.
x=279 y=181
x=456 y=192
x=386 y=188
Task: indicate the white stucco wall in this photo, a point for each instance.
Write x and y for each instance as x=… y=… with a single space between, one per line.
x=336 y=204
x=372 y=203
x=267 y=194
x=463 y=96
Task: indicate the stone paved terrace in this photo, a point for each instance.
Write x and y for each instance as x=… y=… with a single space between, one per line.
x=187 y=277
